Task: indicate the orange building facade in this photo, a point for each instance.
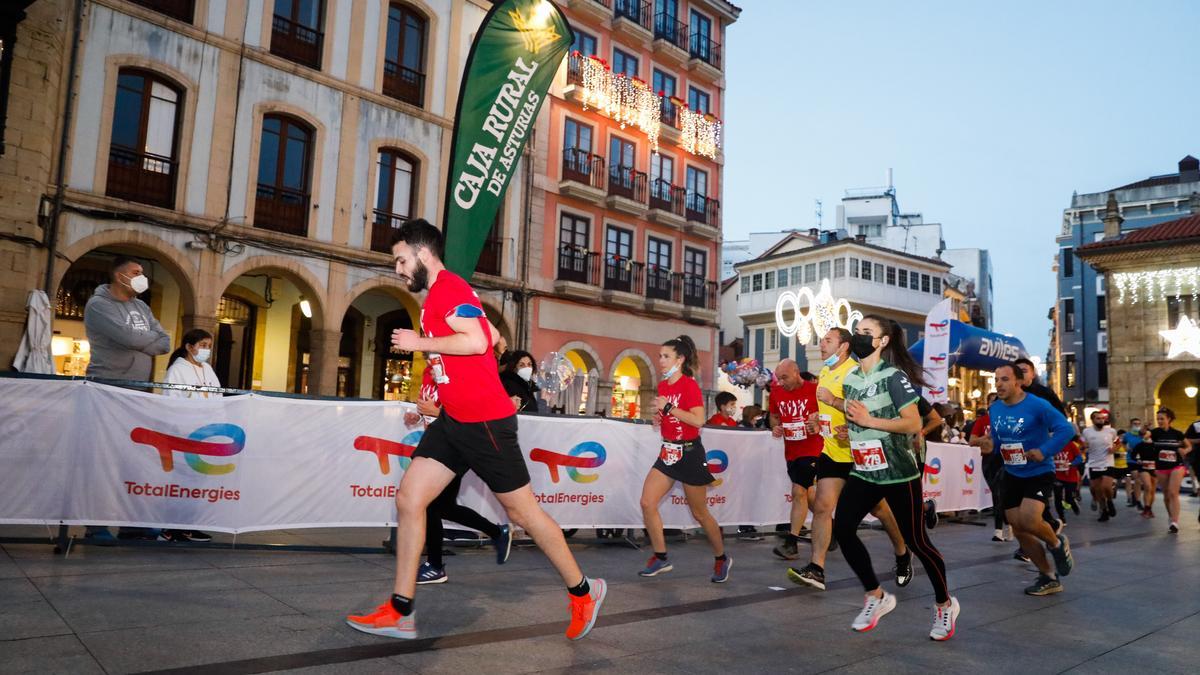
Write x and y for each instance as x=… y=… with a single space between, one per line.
x=626 y=182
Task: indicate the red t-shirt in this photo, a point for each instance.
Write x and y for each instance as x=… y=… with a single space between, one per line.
x=719 y=420
x=793 y=409
x=471 y=389
x=1065 y=469
x=980 y=427
x=429 y=390
x=684 y=394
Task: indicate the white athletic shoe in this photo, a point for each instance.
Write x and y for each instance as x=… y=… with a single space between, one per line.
x=872 y=611
x=1008 y=535
x=944 y=619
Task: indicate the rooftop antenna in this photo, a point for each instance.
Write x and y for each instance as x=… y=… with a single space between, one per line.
x=817 y=212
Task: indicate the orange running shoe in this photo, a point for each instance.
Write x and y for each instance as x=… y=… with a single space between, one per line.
x=386 y=621
x=586 y=609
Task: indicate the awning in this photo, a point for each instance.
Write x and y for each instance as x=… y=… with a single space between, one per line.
x=976 y=348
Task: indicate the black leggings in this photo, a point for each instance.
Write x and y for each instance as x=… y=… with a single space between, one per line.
x=857 y=500
x=1063 y=491
x=446 y=507
x=995 y=482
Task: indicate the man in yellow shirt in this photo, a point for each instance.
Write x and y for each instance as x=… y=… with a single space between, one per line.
x=834 y=465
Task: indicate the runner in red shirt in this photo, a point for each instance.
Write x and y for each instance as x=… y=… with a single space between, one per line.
x=476 y=431
x=679 y=414
x=726 y=407
x=1066 y=478
x=793 y=408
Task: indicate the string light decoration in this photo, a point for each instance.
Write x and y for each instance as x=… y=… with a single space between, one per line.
x=1185 y=339
x=700 y=133
x=1151 y=285
x=824 y=313
x=627 y=100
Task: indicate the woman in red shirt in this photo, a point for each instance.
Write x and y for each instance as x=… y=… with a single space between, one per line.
x=679 y=414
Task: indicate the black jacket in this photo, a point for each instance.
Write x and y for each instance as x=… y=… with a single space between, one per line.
x=515 y=386
x=1043 y=392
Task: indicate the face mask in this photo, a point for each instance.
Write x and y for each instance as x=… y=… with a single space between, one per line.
x=832 y=361
x=1135 y=429
x=671 y=371
x=862 y=346
x=139 y=284
x=526 y=373
x=202 y=355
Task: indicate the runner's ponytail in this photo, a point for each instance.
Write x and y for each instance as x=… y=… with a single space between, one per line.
x=684 y=347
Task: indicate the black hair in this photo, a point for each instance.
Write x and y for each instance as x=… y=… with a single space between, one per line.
x=896 y=351
x=1014 y=365
x=684 y=347
x=1168 y=412
x=512 y=358
x=119 y=264
x=420 y=233
x=1026 y=362
x=191 y=337
x=723 y=398
x=807 y=376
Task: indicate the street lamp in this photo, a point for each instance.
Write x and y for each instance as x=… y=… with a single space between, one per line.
x=975 y=393
x=1191 y=391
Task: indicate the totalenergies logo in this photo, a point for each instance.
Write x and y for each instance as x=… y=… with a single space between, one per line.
x=586 y=455
x=939 y=359
x=230 y=441
x=384 y=449
x=932 y=468
x=937 y=391
x=939 y=325
x=969 y=470
x=718 y=463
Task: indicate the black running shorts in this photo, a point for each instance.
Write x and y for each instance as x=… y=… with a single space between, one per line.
x=490 y=449
x=802 y=471
x=827 y=468
x=1017 y=489
x=689 y=467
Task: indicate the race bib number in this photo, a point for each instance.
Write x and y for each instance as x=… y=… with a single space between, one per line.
x=826 y=422
x=794 y=431
x=1147 y=464
x=868 y=455
x=1167 y=456
x=1013 y=453
x=1061 y=464
x=670 y=453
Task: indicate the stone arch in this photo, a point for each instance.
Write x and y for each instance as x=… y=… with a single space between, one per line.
x=138 y=241
x=591 y=358
x=390 y=286
x=647 y=374
x=296 y=272
x=1168 y=381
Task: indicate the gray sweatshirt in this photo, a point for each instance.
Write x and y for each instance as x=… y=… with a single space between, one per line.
x=124 y=337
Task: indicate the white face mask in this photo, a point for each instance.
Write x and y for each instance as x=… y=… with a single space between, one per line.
x=526 y=373
x=202 y=355
x=139 y=283
x=671 y=371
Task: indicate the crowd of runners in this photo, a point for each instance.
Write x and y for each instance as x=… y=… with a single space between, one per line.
x=854 y=440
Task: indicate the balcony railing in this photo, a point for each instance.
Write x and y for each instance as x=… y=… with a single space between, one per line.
x=661 y=284
x=296 y=42
x=667 y=197
x=622 y=274
x=141 y=177
x=575 y=68
x=637 y=11
x=578 y=265
x=625 y=181
x=668 y=27
x=381 y=231
x=281 y=210
x=490 y=257
x=183 y=10
x=404 y=84
x=700 y=47
x=701 y=209
x=697 y=292
x=584 y=167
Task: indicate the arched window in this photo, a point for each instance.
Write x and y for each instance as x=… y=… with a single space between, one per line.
x=404 y=60
x=143 y=156
x=296 y=31
x=395 y=196
x=284 y=175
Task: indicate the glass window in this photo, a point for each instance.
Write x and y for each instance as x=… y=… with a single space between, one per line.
x=914 y=280
x=773 y=339
x=937 y=285
x=768 y=280
x=1102 y=369
x=1069 y=367
x=823 y=269
x=584 y=44
x=797 y=279
x=865 y=270
x=810 y=273
x=283 y=175
x=658 y=254
x=404 y=56
x=142 y=154
x=839 y=268
x=618 y=246
x=902 y=278
x=1068 y=263
x=891 y=276
x=698 y=101
x=925 y=283
x=622 y=156
x=758 y=282
x=394 y=189
x=745 y=284
x=1068 y=310
x=695 y=262
x=879 y=273
x=783 y=277
x=574 y=232
x=854 y=267
x=625 y=64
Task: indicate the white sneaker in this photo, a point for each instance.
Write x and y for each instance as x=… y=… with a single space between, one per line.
x=944 y=619
x=1008 y=533
x=873 y=610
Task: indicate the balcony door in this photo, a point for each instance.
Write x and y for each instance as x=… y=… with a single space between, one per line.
x=142 y=159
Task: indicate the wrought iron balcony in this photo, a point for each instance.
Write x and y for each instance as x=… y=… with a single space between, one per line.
x=141 y=177
x=296 y=42
x=404 y=84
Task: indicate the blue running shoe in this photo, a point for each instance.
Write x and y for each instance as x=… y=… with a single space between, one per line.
x=655 y=566
x=428 y=574
x=721 y=570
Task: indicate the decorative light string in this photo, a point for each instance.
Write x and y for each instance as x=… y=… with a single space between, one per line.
x=824 y=313
x=1152 y=285
x=701 y=133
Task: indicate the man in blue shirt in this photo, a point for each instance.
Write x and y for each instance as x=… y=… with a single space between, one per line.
x=1133 y=438
x=1028 y=432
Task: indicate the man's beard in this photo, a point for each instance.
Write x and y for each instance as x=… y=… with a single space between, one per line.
x=420 y=279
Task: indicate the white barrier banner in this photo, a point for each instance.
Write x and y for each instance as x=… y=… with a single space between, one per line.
x=85 y=453
x=936 y=353
x=954 y=477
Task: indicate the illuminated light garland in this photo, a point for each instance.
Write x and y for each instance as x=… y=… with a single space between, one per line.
x=627 y=100
x=700 y=133
x=1151 y=285
x=1185 y=339
x=824 y=313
